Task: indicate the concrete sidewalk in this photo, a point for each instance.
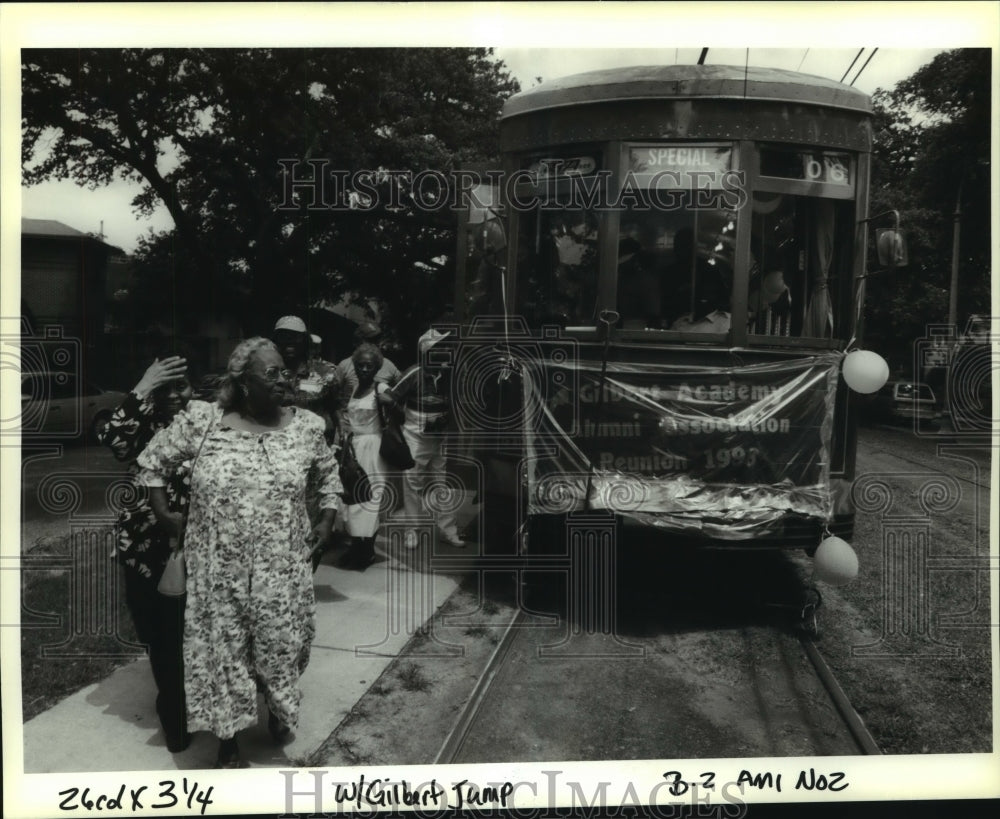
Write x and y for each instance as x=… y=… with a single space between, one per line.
x=363 y=620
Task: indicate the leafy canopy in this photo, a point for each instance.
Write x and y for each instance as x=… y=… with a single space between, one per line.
x=203 y=131
x=931 y=159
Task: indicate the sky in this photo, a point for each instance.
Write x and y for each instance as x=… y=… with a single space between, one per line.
x=526 y=53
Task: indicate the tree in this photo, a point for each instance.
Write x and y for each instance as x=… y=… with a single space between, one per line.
x=932 y=149
x=204 y=131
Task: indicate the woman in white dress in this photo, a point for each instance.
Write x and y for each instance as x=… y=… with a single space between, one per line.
x=361 y=428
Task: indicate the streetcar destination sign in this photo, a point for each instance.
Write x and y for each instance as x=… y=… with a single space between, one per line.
x=695 y=166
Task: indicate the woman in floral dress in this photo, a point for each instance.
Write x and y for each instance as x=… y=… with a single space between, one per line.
x=144 y=545
x=249 y=621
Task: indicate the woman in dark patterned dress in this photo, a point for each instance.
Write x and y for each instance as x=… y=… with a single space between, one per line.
x=144 y=545
x=250 y=616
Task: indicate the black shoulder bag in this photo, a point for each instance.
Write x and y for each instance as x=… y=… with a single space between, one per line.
x=393 y=449
x=353 y=478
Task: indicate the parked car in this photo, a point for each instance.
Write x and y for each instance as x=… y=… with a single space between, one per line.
x=908 y=402
x=60 y=405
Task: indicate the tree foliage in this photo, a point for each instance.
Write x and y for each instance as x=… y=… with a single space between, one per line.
x=931 y=158
x=203 y=131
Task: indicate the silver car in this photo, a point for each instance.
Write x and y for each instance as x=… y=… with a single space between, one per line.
x=60 y=405
x=907 y=402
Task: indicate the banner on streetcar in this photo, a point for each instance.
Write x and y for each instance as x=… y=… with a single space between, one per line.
x=726 y=453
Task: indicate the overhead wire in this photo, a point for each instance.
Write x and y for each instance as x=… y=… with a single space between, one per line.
x=864 y=66
x=860 y=51
x=803 y=59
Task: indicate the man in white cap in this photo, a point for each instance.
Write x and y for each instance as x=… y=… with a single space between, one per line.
x=424 y=390
x=315 y=384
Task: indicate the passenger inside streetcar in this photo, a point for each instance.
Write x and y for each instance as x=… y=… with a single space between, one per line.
x=700 y=302
x=639 y=294
x=557 y=263
x=665 y=282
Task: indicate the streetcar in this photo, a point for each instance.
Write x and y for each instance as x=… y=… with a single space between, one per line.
x=655 y=300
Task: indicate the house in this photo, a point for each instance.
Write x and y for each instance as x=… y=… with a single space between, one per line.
x=64 y=286
x=75 y=286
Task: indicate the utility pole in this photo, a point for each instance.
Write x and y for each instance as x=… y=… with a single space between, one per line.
x=956 y=231
x=953 y=296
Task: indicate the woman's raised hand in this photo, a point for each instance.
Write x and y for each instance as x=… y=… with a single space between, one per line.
x=159 y=373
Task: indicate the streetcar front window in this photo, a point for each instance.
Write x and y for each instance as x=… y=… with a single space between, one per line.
x=677 y=234
x=675 y=268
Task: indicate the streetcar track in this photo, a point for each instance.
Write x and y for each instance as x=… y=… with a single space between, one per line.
x=955 y=456
x=463 y=726
x=455 y=740
x=862 y=736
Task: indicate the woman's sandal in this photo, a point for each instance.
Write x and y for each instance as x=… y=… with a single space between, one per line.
x=229 y=755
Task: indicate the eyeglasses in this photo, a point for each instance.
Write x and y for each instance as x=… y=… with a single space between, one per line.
x=274 y=373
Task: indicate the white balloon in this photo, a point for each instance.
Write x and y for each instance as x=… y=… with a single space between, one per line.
x=835 y=562
x=865 y=372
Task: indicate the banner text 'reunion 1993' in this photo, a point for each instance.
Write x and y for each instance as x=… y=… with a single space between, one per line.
x=724 y=452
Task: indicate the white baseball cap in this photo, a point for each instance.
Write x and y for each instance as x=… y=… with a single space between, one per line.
x=291 y=323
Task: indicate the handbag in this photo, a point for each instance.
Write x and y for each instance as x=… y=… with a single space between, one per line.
x=394 y=450
x=173 y=581
x=353 y=478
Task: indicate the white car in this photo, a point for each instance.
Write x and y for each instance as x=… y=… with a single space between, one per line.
x=61 y=405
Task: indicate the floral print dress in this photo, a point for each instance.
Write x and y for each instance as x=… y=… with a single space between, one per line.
x=317 y=389
x=249 y=619
x=143 y=546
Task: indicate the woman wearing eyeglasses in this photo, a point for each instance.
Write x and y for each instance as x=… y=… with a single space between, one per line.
x=249 y=621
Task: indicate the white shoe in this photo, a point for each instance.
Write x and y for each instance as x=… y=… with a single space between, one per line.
x=410 y=539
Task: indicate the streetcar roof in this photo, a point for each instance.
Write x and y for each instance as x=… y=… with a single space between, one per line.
x=686 y=81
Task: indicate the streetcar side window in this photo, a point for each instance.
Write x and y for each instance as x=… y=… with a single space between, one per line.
x=800 y=266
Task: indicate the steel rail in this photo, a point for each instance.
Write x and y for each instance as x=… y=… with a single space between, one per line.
x=862 y=736
x=938 y=470
x=453 y=743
